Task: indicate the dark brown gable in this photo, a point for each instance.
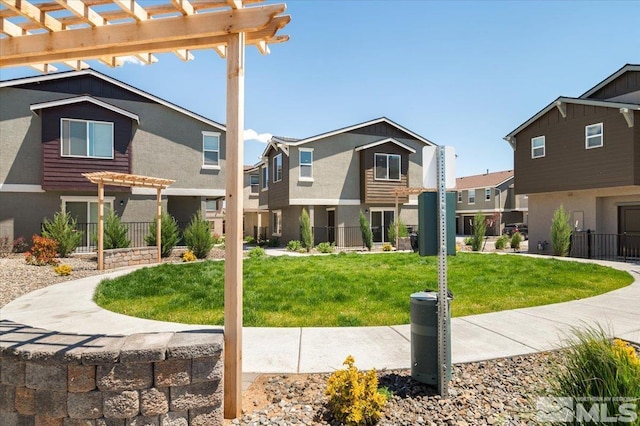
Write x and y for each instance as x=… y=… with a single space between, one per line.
x=382 y=129
x=626 y=83
x=65 y=173
x=374 y=191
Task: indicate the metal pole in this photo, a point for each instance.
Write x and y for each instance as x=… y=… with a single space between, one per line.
x=443 y=303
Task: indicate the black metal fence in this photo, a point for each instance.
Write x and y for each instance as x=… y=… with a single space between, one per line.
x=260 y=233
x=617 y=247
x=348 y=236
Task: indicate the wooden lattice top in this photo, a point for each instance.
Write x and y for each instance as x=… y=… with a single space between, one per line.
x=124 y=179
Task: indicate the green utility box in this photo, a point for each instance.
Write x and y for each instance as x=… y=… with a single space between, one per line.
x=428 y=223
x=424 y=338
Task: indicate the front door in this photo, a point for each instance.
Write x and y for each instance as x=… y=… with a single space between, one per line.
x=629 y=228
x=331 y=226
x=380 y=222
x=86 y=215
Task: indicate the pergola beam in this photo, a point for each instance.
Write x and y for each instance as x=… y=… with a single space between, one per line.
x=31 y=12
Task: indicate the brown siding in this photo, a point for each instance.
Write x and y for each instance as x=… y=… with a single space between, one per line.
x=636 y=148
x=626 y=83
x=381 y=191
x=278 y=191
x=65 y=173
x=382 y=129
x=567 y=165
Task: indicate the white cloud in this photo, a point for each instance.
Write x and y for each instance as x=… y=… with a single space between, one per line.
x=252 y=135
x=130 y=60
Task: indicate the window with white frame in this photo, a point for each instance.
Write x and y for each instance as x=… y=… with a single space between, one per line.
x=594 y=136
x=277 y=168
x=537 y=147
x=487 y=194
x=210 y=150
x=254 y=181
x=82 y=138
x=306 y=163
x=277 y=223
x=387 y=167
x=459 y=196
x=471 y=196
x=265 y=177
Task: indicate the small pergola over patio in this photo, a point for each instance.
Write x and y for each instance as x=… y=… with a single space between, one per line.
x=122 y=179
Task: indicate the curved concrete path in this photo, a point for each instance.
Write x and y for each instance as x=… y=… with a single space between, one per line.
x=68 y=308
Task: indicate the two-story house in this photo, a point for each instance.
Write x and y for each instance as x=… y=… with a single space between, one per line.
x=493 y=195
x=583 y=153
x=55 y=127
x=338 y=174
x=255 y=217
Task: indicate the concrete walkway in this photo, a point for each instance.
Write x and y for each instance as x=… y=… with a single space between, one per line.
x=68 y=307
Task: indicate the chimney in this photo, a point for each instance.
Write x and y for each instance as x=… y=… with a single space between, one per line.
x=487 y=171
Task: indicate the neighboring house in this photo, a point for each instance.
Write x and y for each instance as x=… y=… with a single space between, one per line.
x=583 y=153
x=338 y=174
x=493 y=195
x=55 y=127
x=255 y=217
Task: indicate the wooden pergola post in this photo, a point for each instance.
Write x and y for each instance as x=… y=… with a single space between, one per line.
x=100 y=226
x=159 y=224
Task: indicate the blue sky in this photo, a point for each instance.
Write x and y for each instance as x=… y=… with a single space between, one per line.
x=458 y=73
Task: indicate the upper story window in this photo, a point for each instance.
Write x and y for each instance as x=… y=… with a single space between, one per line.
x=487 y=194
x=387 y=167
x=306 y=163
x=82 y=138
x=265 y=177
x=277 y=168
x=459 y=196
x=594 y=136
x=210 y=150
x=537 y=147
x=471 y=197
x=254 y=181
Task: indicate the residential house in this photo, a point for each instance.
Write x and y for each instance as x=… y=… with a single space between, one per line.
x=55 y=127
x=584 y=154
x=338 y=174
x=493 y=195
x=255 y=217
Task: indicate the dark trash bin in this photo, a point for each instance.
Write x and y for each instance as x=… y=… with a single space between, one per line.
x=414 y=241
x=424 y=337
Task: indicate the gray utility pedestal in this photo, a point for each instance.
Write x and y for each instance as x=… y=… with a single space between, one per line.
x=424 y=338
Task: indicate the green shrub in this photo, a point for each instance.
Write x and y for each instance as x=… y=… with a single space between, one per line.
x=468 y=241
x=560 y=232
x=516 y=239
x=597 y=368
x=294 y=245
x=305 y=230
x=365 y=230
x=63 y=230
x=169 y=234
x=249 y=239
x=42 y=252
x=501 y=242
x=198 y=237
x=273 y=242
x=115 y=232
x=479 y=230
x=326 y=247
x=402 y=231
x=354 y=397
x=256 y=252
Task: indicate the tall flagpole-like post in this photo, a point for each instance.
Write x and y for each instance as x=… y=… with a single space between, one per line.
x=233 y=231
x=443 y=302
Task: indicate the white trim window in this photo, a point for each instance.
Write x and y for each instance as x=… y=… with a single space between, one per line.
x=459 y=196
x=471 y=196
x=537 y=147
x=387 y=167
x=210 y=150
x=487 y=194
x=594 y=136
x=277 y=168
x=84 y=138
x=265 y=177
x=306 y=164
x=254 y=183
x=277 y=223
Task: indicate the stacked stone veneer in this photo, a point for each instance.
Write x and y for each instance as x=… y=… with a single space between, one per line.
x=118 y=258
x=50 y=378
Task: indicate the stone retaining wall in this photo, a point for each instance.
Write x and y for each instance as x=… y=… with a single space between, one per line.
x=118 y=258
x=154 y=379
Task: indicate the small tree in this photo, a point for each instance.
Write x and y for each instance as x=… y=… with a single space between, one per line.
x=63 y=230
x=367 y=234
x=169 y=234
x=402 y=231
x=115 y=232
x=305 y=230
x=198 y=237
x=479 y=231
x=560 y=232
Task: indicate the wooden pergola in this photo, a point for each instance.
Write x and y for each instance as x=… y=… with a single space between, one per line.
x=40 y=33
x=401 y=192
x=122 y=179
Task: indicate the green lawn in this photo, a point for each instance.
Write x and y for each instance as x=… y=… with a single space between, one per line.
x=351 y=289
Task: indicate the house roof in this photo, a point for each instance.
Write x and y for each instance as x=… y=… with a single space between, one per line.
x=79 y=99
x=487 y=180
x=96 y=74
x=387 y=140
x=624 y=69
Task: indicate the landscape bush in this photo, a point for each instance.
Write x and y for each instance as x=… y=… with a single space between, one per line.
x=169 y=234
x=305 y=230
x=516 y=239
x=501 y=242
x=115 y=232
x=20 y=245
x=294 y=245
x=479 y=231
x=353 y=396
x=365 y=230
x=402 y=231
x=198 y=237
x=326 y=247
x=387 y=247
x=63 y=270
x=560 y=232
x=188 y=256
x=273 y=242
x=249 y=239
x=63 y=230
x=42 y=252
x=256 y=252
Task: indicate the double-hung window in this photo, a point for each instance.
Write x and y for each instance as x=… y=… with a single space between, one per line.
x=254 y=181
x=487 y=194
x=82 y=138
x=277 y=168
x=265 y=177
x=306 y=163
x=459 y=196
x=594 y=136
x=387 y=167
x=471 y=198
x=537 y=147
x=210 y=150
